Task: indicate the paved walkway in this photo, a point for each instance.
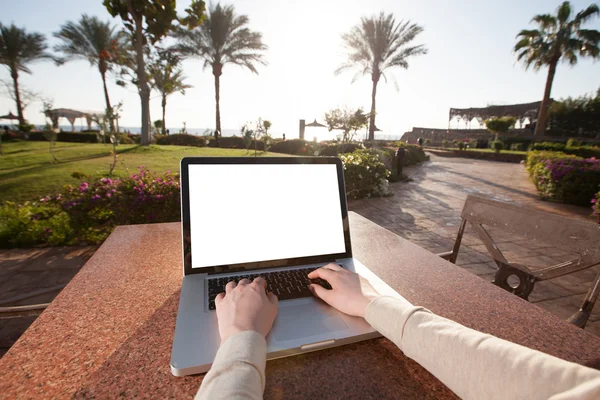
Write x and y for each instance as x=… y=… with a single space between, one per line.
x=27 y=270
x=427 y=210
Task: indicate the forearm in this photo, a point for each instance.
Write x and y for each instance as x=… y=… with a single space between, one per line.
x=476 y=365
x=238 y=371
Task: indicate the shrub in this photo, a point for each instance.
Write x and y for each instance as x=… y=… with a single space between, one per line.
x=333 y=149
x=551 y=146
x=596 y=206
x=296 y=147
x=498 y=146
x=236 y=142
x=583 y=151
x=517 y=146
x=445 y=143
x=73 y=137
x=365 y=175
x=574 y=142
x=181 y=140
x=564 y=177
x=462 y=145
x=32 y=223
x=89 y=212
x=509 y=141
x=500 y=125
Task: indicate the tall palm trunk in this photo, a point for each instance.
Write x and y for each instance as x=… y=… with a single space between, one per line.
x=372 y=116
x=217 y=71
x=144 y=90
x=15 y=76
x=164 y=107
x=102 y=68
x=542 y=121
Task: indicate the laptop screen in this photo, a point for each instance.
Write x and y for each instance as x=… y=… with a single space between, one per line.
x=241 y=213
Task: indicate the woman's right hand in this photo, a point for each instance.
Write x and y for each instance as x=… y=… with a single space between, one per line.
x=350 y=293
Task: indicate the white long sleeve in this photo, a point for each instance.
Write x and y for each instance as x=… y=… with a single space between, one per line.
x=472 y=364
x=475 y=365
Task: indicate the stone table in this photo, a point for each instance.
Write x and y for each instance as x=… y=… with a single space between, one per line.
x=109 y=332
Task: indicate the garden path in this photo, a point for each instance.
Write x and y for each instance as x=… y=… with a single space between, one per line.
x=427 y=210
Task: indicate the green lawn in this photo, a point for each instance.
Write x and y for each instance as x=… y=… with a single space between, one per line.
x=28 y=173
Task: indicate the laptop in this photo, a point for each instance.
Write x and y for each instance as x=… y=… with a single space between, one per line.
x=279 y=218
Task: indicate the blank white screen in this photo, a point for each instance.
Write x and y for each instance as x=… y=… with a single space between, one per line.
x=246 y=212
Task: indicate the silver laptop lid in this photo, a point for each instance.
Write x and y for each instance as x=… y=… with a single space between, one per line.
x=247 y=213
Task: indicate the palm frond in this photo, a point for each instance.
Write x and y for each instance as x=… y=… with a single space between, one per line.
x=90 y=39
x=223 y=38
x=545 y=21
x=559 y=37
x=19 y=48
x=379 y=42
x=564 y=13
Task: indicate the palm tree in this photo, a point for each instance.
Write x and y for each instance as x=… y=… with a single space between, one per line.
x=223 y=38
x=558 y=37
x=17 y=49
x=167 y=77
x=376 y=44
x=93 y=40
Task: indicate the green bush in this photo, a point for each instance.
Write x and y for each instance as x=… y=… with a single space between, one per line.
x=179 y=139
x=498 y=146
x=574 y=142
x=88 y=213
x=462 y=145
x=564 y=177
x=548 y=146
x=333 y=149
x=235 y=142
x=517 y=146
x=296 y=147
x=583 y=151
x=73 y=137
x=445 y=143
x=509 y=141
x=365 y=175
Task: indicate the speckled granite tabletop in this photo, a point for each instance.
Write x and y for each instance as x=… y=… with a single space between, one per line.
x=109 y=333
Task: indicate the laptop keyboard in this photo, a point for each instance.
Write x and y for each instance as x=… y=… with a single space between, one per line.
x=286 y=285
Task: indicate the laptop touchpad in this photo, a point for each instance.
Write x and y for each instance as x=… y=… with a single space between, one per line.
x=306 y=320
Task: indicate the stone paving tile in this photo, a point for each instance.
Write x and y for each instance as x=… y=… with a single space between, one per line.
x=427 y=212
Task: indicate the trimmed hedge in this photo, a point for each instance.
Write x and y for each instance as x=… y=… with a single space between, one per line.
x=581 y=151
x=296 y=147
x=333 y=149
x=73 y=137
x=564 y=177
x=181 y=140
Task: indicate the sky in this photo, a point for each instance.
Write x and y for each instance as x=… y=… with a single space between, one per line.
x=470 y=63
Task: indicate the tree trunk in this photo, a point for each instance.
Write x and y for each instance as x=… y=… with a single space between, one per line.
x=15 y=75
x=144 y=90
x=542 y=121
x=375 y=79
x=217 y=71
x=106 y=97
x=164 y=107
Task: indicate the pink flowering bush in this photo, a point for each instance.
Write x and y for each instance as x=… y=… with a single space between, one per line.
x=87 y=213
x=564 y=178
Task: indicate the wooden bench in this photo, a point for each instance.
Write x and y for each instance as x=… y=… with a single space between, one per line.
x=577 y=237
